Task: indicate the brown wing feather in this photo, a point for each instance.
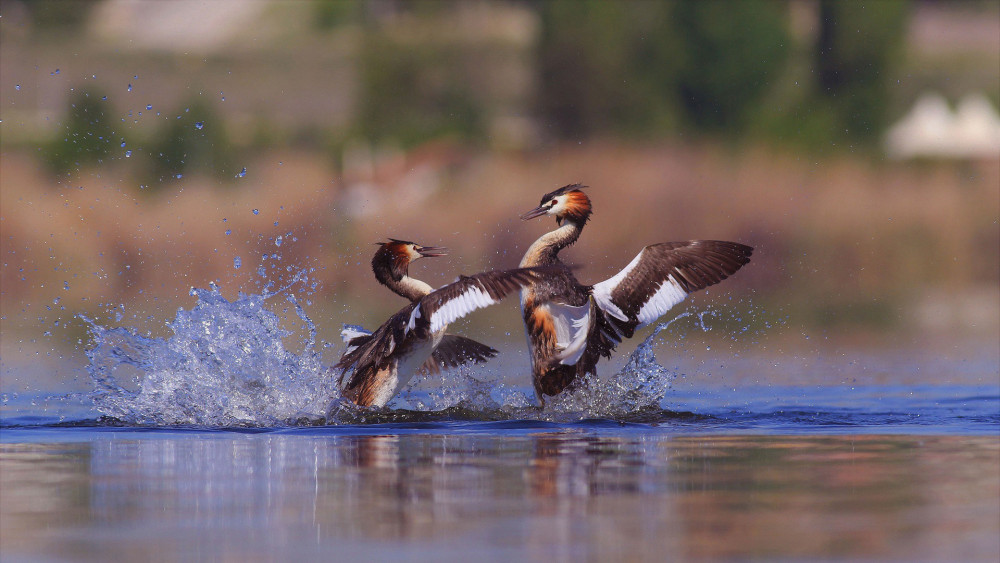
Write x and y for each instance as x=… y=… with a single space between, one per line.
x=694 y=265
x=455 y=350
x=496 y=284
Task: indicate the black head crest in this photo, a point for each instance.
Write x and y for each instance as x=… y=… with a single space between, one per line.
x=563 y=190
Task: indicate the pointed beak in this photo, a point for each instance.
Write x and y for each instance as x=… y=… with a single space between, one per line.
x=536 y=212
x=430 y=251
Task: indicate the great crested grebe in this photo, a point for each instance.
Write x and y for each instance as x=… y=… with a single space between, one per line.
x=385 y=360
x=571 y=325
x=391 y=267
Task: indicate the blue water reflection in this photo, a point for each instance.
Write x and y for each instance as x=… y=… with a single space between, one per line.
x=530 y=491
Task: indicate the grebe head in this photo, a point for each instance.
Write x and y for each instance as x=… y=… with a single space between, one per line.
x=567 y=203
x=393 y=257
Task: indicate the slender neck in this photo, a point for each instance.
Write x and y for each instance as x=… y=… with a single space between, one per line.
x=410 y=288
x=545 y=250
x=402 y=285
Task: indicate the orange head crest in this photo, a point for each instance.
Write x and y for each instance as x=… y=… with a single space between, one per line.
x=568 y=203
x=393 y=257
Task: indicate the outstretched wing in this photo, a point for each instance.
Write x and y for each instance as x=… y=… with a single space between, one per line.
x=441 y=307
x=662 y=275
x=454 y=350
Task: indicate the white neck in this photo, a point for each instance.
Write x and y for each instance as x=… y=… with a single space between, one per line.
x=411 y=288
x=543 y=251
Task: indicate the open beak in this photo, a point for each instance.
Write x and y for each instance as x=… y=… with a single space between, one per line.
x=536 y=212
x=429 y=251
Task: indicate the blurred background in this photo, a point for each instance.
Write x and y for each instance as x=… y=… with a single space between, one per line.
x=150 y=147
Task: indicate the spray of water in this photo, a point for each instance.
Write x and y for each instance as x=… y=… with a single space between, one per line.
x=635 y=392
x=226 y=364
x=638 y=387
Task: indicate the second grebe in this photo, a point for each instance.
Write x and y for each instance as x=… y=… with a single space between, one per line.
x=571 y=325
x=391 y=267
x=384 y=361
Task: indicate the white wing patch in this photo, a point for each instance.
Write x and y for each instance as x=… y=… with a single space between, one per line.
x=668 y=295
x=571 y=324
x=602 y=291
x=464 y=303
x=413 y=319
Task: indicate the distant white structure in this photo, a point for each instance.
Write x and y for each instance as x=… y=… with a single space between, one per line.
x=179 y=25
x=932 y=130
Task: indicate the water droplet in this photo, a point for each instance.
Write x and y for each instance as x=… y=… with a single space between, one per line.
x=56 y=71
x=149 y=106
x=179 y=176
x=242 y=173
x=229 y=232
x=130 y=87
x=123 y=144
x=17 y=87
x=256 y=212
x=199 y=125
x=237 y=262
x=277 y=241
x=128 y=153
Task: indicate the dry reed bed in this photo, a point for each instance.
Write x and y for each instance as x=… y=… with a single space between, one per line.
x=828 y=231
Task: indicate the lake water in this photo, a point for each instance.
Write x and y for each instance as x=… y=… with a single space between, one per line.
x=892 y=473
x=217 y=444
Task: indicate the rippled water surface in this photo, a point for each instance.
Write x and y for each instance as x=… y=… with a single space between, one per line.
x=513 y=490
x=221 y=443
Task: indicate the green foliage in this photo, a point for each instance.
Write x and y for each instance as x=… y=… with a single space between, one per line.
x=416 y=91
x=635 y=67
x=88 y=137
x=605 y=66
x=193 y=142
x=731 y=53
x=645 y=68
x=58 y=14
x=857 y=45
x=330 y=14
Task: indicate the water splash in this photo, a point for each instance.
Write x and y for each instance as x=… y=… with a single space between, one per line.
x=633 y=393
x=638 y=387
x=226 y=364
